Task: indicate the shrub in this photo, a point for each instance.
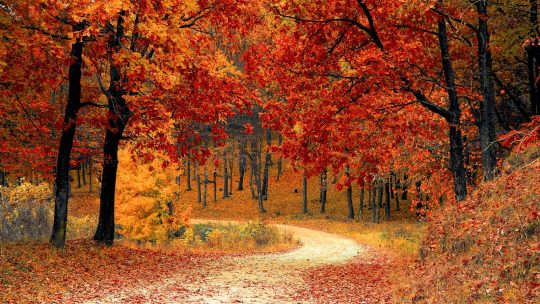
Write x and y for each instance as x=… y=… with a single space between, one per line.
x=81 y=227
x=148 y=207
x=25 y=212
x=485 y=249
x=247 y=237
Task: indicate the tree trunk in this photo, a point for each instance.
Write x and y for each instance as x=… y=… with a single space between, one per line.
x=79 y=177
x=251 y=179
x=387 y=199
x=225 y=176
x=488 y=136
x=404 y=187
x=350 y=206
x=90 y=174
x=304 y=194
x=374 y=202
x=324 y=187
x=267 y=163
x=361 y=205
x=392 y=182
x=379 y=199
x=188 y=179
x=533 y=62
x=215 y=186
x=205 y=187
x=241 y=166
x=199 y=194
x=456 y=140
x=119 y=115
x=230 y=176
x=280 y=160
x=62 y=180
x=256 y=175
x=83 y=166
x=369 y=198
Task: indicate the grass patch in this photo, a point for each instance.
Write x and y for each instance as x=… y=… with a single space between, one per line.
x=255 y=237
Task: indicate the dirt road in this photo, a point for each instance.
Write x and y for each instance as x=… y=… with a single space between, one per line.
x=271 y=278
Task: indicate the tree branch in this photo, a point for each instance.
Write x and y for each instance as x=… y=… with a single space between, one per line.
x=93 y=104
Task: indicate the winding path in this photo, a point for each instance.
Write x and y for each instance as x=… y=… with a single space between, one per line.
x=270 y=278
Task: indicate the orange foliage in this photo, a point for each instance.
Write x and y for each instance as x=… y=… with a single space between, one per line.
x=149 y=208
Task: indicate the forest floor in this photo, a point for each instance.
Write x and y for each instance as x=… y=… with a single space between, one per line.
x=322 y=270
x=340 y=260
x=326 y=268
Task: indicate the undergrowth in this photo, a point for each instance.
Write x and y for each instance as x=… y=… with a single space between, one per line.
x=250 y=237
x=486 y=249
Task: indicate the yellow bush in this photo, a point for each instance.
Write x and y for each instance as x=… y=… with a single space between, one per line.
x=147 y=200
x=27 y=193
x=215 y=238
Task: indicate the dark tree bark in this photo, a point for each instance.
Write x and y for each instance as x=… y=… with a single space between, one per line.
x=119 y=115
x=324 y=190
x=90 y=174
x=404 y=187
x=453 y=114
x=62 y=179
x=488 y=136
x=2 y=178
x=256 y=174
x=379 y=200
x=387 y=199
x=392 y=183
x=225 y=176
x=369 y=198
x=205 y=187
x=350 y=206
x=267 y=163
x=533 y=62
x=374 y=202
x=215 y=186
x=241 y=166
x=188 y=179
x=79 y=178
x=361 y=205
x=83 y=167
x=320 y=187
x=230 y=176
x=199 y=194
x=304 y=194
x=456 y=143
x=251 y=179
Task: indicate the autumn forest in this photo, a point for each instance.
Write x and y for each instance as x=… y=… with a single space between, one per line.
x=268 y=151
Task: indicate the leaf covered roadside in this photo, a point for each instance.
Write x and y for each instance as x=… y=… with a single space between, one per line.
x=365 y=279
x=38 y=273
